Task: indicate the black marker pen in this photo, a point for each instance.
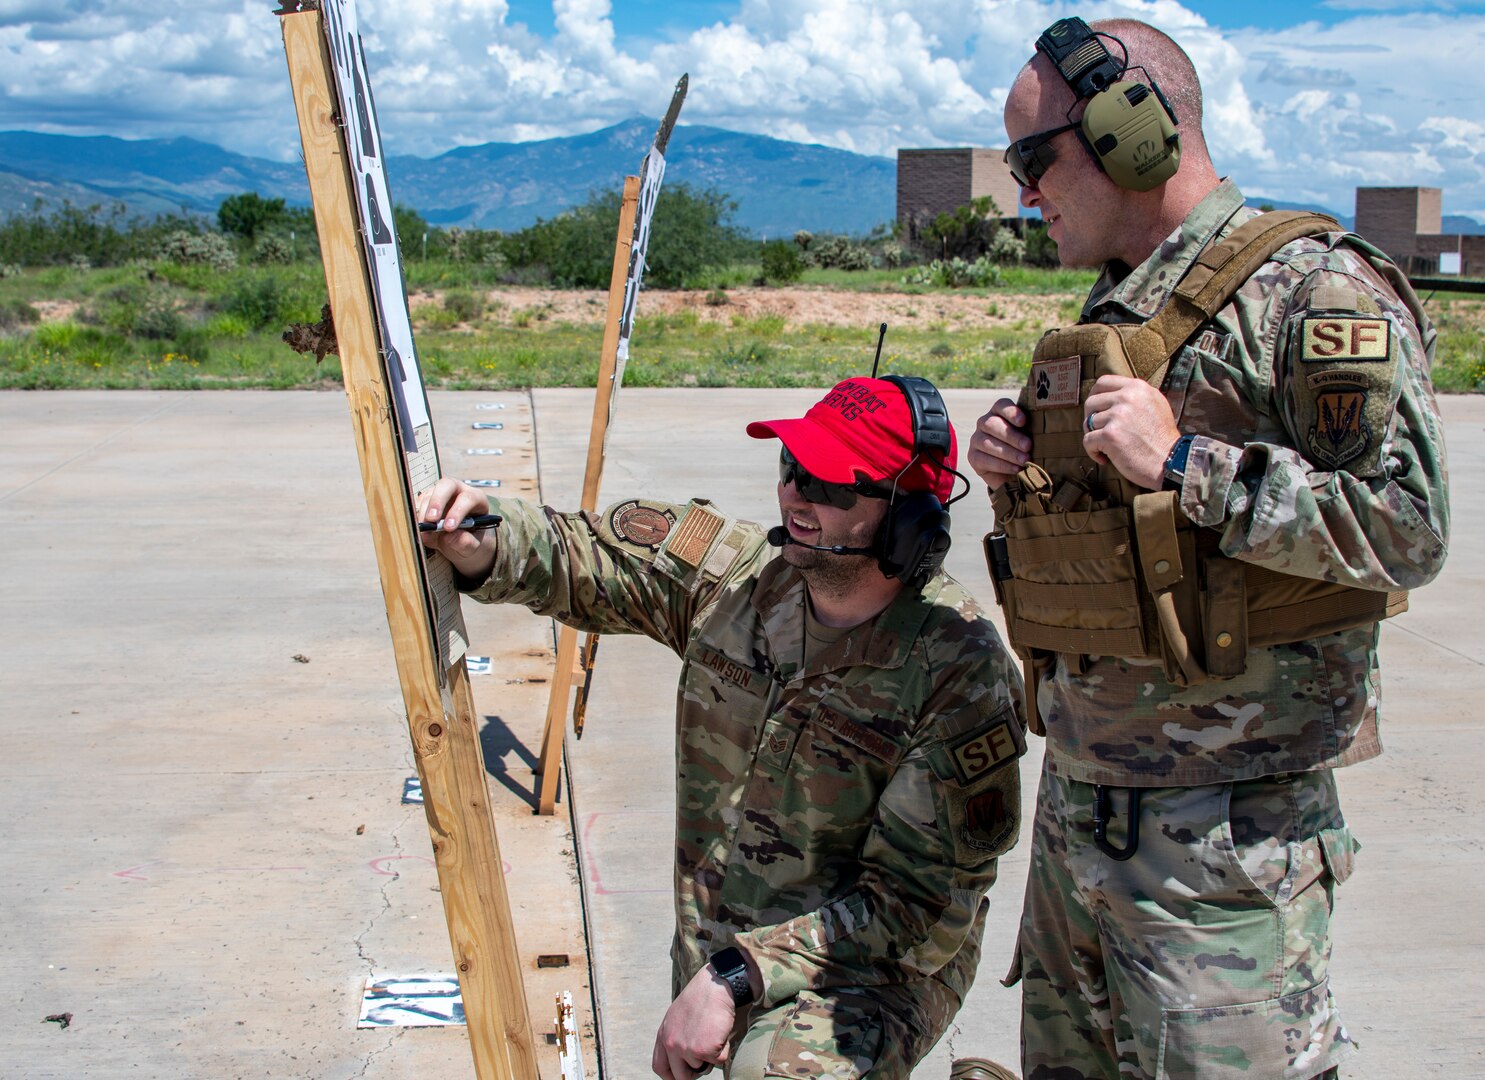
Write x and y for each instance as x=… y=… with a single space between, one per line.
x=479 y=521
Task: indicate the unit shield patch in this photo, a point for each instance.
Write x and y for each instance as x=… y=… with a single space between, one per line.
x=643 y=524
x=1345 y=386
x=1340 y=433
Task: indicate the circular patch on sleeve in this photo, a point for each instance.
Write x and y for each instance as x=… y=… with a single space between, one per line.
x=636 y=523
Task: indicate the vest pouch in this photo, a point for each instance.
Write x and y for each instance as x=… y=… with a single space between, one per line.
x=1075 y=582
x=1282 y=608
x=1167 y=552
x=1224 y=614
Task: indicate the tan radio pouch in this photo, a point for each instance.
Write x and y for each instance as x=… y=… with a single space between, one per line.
x=1084 y=563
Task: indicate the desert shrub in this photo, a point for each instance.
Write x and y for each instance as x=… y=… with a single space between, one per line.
x=136 y=309
x=1006 y=247
x=463 y=305
x=17 y=313
x=203 y=249
x=272 y=250
x=269 y=298
x=839 y=253
x=957 y=273
x=691 y=233
x=781 y=262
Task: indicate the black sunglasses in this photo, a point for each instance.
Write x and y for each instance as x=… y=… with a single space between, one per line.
x=1031 y=157
x=812 y=489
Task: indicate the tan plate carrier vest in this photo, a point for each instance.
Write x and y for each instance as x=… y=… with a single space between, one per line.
x=1086 y=563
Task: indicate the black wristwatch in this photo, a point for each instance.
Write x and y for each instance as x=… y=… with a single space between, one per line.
x=1175 y=462
x=730 y=966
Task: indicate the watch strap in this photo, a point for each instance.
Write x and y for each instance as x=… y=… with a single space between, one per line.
x=1175 y=462
x=731 y=967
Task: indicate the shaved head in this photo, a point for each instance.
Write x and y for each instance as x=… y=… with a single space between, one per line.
x=1163 y=60
x=1090 y=218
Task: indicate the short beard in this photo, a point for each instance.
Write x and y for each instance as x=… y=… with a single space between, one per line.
x=827 y=574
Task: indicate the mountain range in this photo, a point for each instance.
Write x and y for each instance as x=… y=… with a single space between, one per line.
x=779 y=186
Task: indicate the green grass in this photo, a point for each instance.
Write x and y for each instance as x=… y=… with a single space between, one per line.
x=162 y=326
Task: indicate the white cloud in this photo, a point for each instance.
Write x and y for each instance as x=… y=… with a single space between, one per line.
x=1352 y=106
x=1306 y=113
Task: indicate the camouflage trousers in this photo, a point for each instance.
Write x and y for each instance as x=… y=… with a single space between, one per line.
x=881 y=1032
x=1204 y=955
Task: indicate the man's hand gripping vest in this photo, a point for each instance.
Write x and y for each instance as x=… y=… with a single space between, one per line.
x=1086 y=563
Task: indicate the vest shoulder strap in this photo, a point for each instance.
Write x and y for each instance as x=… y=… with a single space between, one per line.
x=1212 y=280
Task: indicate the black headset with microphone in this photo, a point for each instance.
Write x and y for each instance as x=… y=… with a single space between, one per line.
x=913 y=539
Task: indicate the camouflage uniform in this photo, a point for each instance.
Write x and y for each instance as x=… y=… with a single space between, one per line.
x=1206 y=953
x=839 y=818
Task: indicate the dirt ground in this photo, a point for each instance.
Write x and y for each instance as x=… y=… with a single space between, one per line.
x=798 y=306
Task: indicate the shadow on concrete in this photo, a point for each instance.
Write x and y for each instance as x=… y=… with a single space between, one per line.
x=498 y=744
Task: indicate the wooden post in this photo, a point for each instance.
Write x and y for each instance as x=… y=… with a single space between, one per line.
x=551 y=740
x=440 y=710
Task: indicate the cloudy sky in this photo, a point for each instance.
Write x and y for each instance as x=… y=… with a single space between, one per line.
x=1304 y=100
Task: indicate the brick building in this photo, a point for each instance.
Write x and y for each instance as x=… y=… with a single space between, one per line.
x=933 y=182
x=1407 y=223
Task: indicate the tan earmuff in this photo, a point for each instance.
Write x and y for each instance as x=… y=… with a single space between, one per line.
x=1127 y=126
x=1132 y=134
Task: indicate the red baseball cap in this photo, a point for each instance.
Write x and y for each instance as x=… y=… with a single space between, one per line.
x=863 y=430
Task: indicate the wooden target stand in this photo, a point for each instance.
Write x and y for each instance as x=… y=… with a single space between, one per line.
x=569 y=666
x=440 y=709
x=636 y=212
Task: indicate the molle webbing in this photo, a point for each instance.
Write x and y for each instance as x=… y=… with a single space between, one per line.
x=1096 y=565
x=1213 y=279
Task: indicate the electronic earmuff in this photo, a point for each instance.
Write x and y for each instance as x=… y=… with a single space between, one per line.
x=1129 y=128
x=913 y=539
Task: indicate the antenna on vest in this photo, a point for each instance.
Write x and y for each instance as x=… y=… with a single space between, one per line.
x=881 y=336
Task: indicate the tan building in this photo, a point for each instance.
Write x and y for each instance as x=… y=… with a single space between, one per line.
x=933 y=182
x=1407 y=223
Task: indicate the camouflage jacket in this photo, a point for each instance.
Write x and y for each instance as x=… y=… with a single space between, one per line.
x=841 y=820
x=1319 y=453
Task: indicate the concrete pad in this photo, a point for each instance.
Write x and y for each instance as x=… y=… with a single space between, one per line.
x=183 y=868
x=205 y=849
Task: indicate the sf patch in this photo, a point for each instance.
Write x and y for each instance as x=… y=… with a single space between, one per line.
x=1327 y=339
x=986 y=750
x=642 y=524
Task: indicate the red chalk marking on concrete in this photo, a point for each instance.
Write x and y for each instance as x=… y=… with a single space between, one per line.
x=590 y=861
